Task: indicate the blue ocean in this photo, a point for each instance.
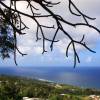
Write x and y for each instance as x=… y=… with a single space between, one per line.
x=85 y=77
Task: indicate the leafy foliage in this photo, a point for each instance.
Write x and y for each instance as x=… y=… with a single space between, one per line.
x=6 y=37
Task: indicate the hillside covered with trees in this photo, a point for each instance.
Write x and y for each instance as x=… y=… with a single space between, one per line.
x=15 y=88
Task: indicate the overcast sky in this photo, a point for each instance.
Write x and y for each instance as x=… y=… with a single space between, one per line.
x=27 y=43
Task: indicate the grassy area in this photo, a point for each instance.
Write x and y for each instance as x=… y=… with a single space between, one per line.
x=15 y=88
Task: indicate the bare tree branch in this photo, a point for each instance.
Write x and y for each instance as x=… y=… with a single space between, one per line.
x=13 y=18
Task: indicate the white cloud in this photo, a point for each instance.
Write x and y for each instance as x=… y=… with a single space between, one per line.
x=24 y=49
x=89 y=7
x=89 y=59
x=38 y=50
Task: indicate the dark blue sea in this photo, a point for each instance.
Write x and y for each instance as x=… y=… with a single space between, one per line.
x=86 y=77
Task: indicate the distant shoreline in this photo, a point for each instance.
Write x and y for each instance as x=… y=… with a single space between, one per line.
x=81 y=77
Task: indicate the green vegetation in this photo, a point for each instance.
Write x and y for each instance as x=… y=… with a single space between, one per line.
x=15 y=88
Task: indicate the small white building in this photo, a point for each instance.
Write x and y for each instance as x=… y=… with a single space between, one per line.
x=94 y=97
x=62 y=94
x=27 y=98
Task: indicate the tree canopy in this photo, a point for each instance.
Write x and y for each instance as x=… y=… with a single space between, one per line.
x=11 y=24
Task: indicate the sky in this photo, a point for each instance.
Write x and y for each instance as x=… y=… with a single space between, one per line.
x=27 y=44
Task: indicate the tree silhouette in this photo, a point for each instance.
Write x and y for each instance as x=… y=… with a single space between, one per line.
x=11 y=24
